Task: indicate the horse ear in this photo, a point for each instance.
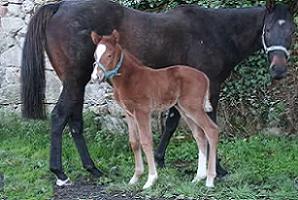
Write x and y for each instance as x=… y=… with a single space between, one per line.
x=116 y=35
x=270 y=5
x=95 y=37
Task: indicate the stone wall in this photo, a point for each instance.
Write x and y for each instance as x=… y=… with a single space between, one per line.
x=98 y=98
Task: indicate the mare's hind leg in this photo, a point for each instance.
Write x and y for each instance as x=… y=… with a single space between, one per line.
x=136 y=148
x=59 y=120
x=171 y=125
x=145 y=134
x=68 y=109
x=76 y=127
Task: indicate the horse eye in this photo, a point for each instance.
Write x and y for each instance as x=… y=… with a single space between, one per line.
x=109 y=55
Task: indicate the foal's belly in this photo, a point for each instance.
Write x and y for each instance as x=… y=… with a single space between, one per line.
x=163 y=105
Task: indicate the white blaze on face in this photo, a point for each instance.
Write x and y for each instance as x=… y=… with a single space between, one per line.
x=101 y=48
x=281 y=22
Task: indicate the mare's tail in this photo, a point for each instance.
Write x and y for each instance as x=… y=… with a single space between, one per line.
x=33 y=65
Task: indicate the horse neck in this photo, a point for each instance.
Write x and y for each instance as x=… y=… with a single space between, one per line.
x=245 y=29
x=129 y=69
x=241 y=30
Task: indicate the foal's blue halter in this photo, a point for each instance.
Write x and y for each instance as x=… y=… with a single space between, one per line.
x=110 y=73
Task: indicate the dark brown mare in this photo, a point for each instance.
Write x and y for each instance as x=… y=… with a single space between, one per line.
x=140 y=90
x=187 y=35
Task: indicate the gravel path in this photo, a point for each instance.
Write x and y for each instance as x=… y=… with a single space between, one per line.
x=80 y=191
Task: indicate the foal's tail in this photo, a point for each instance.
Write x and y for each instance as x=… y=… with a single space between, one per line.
x=207 y=105
x=33 y=65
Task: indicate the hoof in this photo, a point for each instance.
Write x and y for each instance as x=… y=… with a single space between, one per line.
x=133 y=180
x=160 y=161
x=210 y=182
x=198 y=179
x=150 y=182
x=221 y=172
x=210 y=185
x=95 y=172
x=62 y=183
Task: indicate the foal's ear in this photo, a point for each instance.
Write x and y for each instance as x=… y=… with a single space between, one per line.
x=270 y=5
x=95 y=37
x=116 y=35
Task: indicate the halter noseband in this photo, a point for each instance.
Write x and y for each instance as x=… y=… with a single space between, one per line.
x=110 y=73
x=273 y=47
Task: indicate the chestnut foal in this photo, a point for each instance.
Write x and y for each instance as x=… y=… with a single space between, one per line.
x=141 y=90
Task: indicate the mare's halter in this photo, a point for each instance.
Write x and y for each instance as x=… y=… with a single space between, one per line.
x=109 y=74
x=273 y=47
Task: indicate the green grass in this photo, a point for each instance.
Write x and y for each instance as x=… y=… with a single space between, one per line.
x=261 y=167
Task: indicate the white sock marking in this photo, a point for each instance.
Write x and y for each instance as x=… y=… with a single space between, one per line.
x=150 y=181
x=61 y=183
x=202 y=168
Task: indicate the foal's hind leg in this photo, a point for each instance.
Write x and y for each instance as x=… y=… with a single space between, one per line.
x=211 y=132
x=136 y=148
x=145 y=134
x=210 y=129
x=201 y=141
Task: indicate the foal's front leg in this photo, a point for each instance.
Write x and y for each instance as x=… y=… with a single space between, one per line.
x=136 y=148
x=145 y=134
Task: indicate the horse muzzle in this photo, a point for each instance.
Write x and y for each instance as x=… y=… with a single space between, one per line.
x=97 y=75
x=278 y=67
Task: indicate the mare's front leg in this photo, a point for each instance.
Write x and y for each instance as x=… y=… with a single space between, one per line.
x=136 y=148
x=145 y=134
x=172 y=122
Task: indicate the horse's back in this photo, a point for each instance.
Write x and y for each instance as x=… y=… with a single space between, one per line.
x=187 y=73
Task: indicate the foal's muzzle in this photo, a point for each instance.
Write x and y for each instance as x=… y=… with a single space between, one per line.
x=97 y=74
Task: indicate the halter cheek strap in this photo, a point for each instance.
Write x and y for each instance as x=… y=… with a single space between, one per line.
x=273 y=47
x=110 y=73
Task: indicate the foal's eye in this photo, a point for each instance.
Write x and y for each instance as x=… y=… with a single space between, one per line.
x=109 y=55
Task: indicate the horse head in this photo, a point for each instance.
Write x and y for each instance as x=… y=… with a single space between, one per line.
x=277 y=35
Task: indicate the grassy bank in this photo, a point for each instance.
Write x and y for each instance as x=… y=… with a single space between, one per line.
x=261 y=167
